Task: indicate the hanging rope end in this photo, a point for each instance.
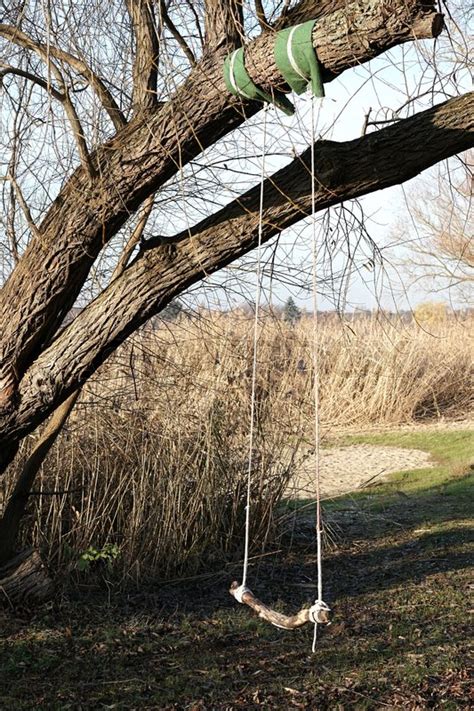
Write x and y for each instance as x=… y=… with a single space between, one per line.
x=321 y=614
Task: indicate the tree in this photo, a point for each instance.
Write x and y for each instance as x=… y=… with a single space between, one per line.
x=97 y=135
x=441 y=229
x=291 y=312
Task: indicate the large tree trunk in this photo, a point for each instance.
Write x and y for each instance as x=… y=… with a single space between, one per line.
x=15 y=508
x=11 y=518
x=24 y=579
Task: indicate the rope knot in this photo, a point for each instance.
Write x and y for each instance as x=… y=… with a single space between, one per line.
x=320 y=613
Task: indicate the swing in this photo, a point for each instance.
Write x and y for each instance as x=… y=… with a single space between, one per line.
x=298 y=64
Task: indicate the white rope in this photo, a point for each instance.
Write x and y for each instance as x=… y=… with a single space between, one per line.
x=318 y=605
x=239 y=593
x=254 y=363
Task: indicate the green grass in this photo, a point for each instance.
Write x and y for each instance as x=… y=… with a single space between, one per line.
x=452 y=454
x=398 y=579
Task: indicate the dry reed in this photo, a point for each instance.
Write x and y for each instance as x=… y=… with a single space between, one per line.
x=154 y=457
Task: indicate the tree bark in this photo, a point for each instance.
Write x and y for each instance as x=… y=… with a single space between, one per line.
x=343 y=171
x=147 y=48
x=146 y=153
x=24 y=579
x=224 y=24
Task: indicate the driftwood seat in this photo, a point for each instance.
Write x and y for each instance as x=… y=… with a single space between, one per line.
x=317 y=613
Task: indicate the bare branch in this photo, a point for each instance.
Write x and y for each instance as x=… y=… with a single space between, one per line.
x=23 y=204
x=10 y=227
x=190 y=4
x=261 y=17
x=44 y=53
x=286 y=622
x=12 y=167
x=78 y=132
x=166 y=19
x=7 y=69
x=135 y=237
x=13 y=34
x=366 y=122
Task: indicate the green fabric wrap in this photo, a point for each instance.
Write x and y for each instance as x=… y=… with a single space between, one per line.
x=296 y=58
x=239 y=83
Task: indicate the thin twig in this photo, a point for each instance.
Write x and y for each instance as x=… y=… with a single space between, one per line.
x=23 y=204
x=366 y=122
x=261 y=17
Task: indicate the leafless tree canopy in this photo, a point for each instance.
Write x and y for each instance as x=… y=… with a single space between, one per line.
x=438 y=230
x=112 y=114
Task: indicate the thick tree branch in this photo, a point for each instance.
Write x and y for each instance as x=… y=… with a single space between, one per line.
x=148 y=152
x=224 y=24
x=147 y=50
x=343 y=171
x=13 y=34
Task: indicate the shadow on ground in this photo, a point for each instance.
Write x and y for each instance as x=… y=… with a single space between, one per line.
x=398 y=578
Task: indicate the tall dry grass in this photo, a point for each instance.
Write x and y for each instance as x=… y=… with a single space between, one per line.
x=154 y=458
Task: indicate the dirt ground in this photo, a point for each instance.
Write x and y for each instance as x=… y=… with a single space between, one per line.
x=345 y=469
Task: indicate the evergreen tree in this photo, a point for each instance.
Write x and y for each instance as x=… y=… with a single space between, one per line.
x=291 y=312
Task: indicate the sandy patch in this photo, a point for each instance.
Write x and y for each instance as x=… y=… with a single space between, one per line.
x=345 y=469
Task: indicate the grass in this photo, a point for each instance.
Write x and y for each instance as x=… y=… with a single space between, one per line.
x=398 y=579
x=452 y=456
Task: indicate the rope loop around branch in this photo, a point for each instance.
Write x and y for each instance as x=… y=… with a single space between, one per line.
x=319 y=613
x=239 y=592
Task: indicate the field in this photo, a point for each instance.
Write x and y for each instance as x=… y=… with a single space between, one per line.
x=146 y=620
x=151 y=469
